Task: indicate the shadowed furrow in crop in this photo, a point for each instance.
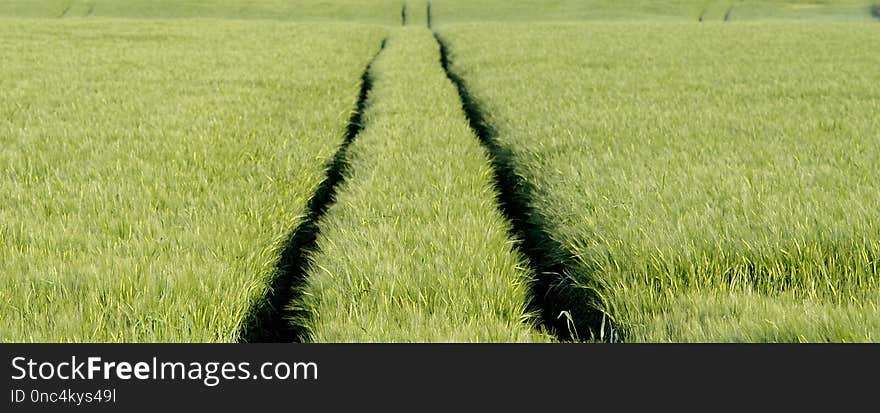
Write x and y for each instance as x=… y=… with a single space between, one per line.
x=268 y=322
x=728 y=12
x=415 y=249
x=162 y=169
x=567 y=310
x=698 y=211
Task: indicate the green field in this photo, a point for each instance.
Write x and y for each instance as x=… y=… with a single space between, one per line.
x=359 y=11
x=492 y=171
x=151 y=170
x=530 y=11
x=713 y=194
x=419 y=195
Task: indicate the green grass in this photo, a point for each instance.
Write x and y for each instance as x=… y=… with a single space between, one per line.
x=711 y=182
x=481 y=11
x=151 y=169
x=716 y=182
x=415 y=248
x=416 y=12
x=364 y=11
x=806 y=10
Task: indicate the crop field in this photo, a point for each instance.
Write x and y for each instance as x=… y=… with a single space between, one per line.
x=151 y=170
x=713 y=194
x=419 y=195
x=360 y=11
x=530 y=11
x=444 y=171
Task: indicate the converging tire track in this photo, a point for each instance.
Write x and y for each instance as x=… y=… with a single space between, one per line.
x=268 y=320
x=415 y=248
x=66 y=9
x=428 y=15
x=291 y=312
x=554 y=296
x=728 y=12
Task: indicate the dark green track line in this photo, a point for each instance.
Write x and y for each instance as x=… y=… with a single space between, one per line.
x=566 y=310
x=268 y=321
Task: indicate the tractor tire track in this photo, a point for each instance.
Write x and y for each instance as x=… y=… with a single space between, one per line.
x=428 y=11
x=565 y=310
x=66 y=9
x=728 y=12
x=269 y=320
